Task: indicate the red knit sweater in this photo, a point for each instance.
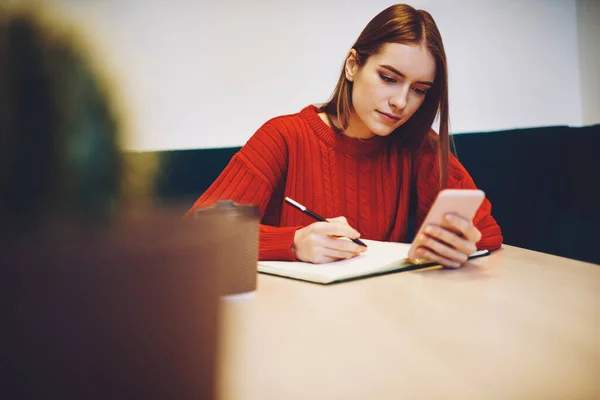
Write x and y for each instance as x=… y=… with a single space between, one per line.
x=368 y=182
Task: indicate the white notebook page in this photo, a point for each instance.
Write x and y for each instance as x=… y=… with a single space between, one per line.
x=379 y=257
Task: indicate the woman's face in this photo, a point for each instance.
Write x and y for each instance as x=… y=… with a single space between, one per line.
x=388 y=89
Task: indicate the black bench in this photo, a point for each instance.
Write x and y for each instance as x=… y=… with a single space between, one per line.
x=542 y=182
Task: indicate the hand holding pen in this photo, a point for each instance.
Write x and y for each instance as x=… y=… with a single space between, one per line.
x=324 y=241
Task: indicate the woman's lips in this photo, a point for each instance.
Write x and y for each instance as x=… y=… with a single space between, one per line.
x=391 y=119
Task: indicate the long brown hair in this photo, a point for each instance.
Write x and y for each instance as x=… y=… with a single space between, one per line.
x=404 y=24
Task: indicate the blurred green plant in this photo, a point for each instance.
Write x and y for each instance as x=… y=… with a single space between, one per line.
x=60 y=129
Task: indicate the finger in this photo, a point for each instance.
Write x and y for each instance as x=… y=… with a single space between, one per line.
x=323 y=259
x=338 y=254
x=464 y=226
x=451 y=238
x=336 y=229
x=342 y=245
x=342 y=220
x=422 y=252
x=441 y=249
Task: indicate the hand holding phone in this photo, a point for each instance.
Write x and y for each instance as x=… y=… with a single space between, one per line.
x=448 y=235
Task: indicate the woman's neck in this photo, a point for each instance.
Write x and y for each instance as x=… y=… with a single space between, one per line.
x=356 y=128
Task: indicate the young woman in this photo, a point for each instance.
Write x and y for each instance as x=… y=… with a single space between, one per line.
x=364 y=156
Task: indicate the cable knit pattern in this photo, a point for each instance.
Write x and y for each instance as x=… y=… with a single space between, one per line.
x=368 y=182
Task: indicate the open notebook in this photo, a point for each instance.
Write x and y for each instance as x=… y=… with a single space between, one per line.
x=380 y=258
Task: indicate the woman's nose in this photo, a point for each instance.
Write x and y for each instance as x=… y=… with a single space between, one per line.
x=399 y=101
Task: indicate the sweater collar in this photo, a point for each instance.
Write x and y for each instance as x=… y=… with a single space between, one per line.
x=339 y=141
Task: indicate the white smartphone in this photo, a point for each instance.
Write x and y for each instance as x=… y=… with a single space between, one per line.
x=462 y=202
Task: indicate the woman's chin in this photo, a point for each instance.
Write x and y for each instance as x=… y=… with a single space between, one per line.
x=379 y=130
x=375 y=127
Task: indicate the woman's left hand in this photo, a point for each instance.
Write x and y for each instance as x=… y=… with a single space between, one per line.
x=449 y=244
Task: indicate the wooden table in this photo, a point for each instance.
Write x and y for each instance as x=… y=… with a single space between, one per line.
x=515 y=325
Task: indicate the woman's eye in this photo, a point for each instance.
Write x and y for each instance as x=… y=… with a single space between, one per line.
x=421 y=92
x=387 y=78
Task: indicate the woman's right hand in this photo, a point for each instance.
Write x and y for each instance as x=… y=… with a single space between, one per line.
x=323 y=242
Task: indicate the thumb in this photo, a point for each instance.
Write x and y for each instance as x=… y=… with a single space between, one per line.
x=351 y=232
x=338 y=220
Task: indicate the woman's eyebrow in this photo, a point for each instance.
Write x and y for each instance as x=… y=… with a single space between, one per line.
x=395 y=71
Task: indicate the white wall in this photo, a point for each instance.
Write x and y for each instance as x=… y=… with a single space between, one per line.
x=588 y=22
x=208 y=73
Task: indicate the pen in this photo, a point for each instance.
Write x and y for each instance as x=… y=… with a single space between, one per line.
x=317 y=217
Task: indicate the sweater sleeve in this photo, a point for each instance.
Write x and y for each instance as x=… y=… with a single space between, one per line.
x=426 y=175
x=250 y=178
